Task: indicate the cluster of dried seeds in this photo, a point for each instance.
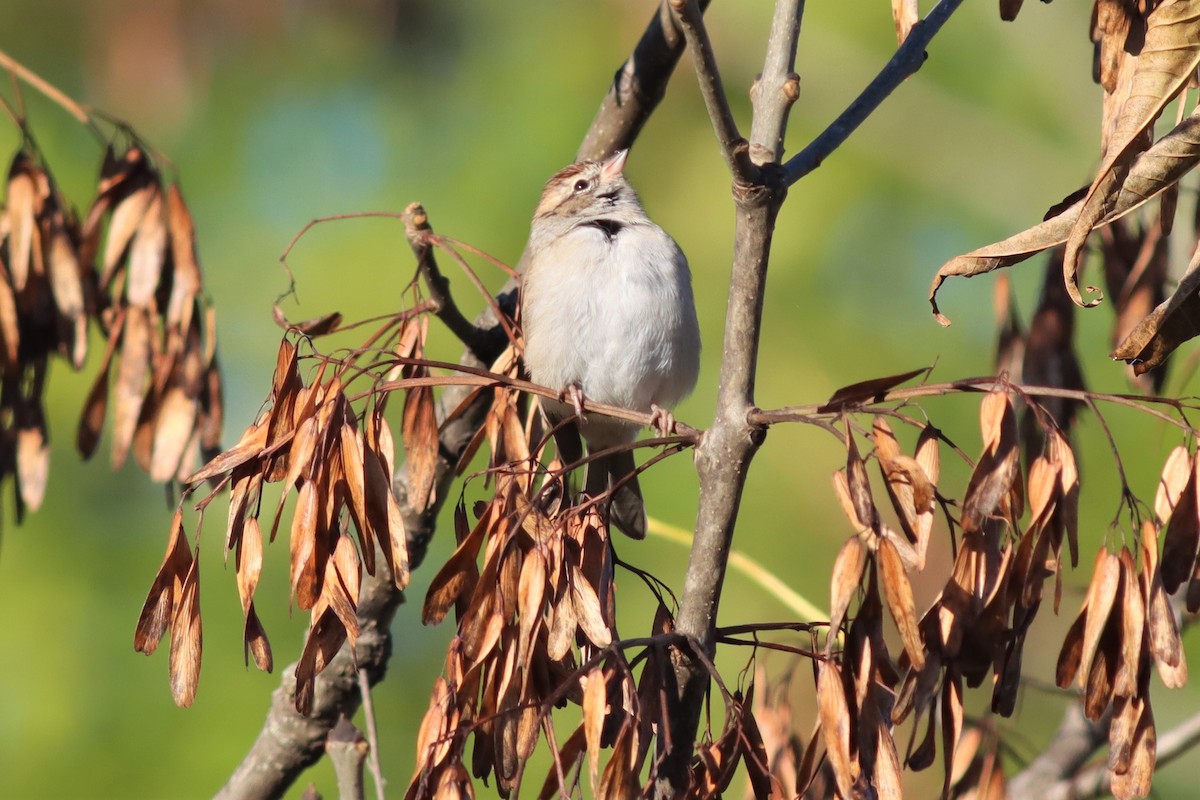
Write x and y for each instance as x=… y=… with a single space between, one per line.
x=309 y=439
x=131 y=267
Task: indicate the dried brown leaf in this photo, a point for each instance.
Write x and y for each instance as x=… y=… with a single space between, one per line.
x=834 y=716
x=173 y=427
x=1171 y=157
x=250 y=446
x=1182 y=538
x=1101 y=594
x=898 y=591
x=65 y=284
x=997 y=473
x=147 y=251
x=126 y=220
x=1133 y=620
x=871 y=390
x=164 y=593
x=130 y=388
x=1176 y=473
x=186 y=280
x=186 y=638
x=905 y=14
x=1168 y=58
x=531 y=593
x=952 y=722
x=848 y=570
x=1135 y=782
x=588 y=611
x=256 y=643
x=304 y=547
x=33 y=453
x=10 y=329
x=325 y=638
x=22 y=205
x=456 y=577
x=1165 y=643
x=595 y=707
x=1068 y=481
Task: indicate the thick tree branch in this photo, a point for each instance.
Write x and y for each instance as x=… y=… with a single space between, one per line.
x=1060 y=772
x=288 y=743
x=637 y=88
x=724 y=452
x=907 y=60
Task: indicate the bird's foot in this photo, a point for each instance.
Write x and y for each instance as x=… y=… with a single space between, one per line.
x=662 y=420
x=573 y=394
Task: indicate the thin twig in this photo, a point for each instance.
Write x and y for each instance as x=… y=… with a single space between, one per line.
x=812 y=412
x=907 y=60
x=776 y=89
x=45 y=87
x=417 y=230
x=733 y=144
x=364 y=686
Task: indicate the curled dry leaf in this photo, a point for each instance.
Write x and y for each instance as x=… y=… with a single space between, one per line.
x=1170 y=158
x=1166 y=63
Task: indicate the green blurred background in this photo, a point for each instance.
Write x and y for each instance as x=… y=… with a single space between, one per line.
x=279 y=112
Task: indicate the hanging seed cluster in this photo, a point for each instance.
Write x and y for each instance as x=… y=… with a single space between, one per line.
x=311 y=442
x=130 y=267
x=1012 y=534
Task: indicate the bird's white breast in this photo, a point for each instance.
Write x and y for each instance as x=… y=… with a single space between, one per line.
x=614 y=315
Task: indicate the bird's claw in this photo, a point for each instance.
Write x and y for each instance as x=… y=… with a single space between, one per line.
x=573 y=394
x=662 y=420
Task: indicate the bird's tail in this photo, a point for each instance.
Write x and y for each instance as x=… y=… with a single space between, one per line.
x=626 y=509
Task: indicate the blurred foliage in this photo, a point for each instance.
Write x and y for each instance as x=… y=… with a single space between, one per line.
x=275 y=113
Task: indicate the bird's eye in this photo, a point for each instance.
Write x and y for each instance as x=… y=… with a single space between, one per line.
x=581 y=184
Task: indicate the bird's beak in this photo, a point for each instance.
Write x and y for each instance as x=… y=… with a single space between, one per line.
x=614 y=165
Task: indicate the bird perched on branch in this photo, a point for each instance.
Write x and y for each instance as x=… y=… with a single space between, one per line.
x=608 y=315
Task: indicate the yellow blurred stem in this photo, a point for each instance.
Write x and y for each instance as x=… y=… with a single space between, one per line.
x=756 y=572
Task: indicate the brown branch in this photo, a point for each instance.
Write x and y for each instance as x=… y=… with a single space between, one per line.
x=347 y=749
x=45 y=87
x=812 y=413
x=907 y=60
x=775 y=91
x=724 y=453
x=418 y=230
x=1060 y=771
x=733 y=145
x=288 y=743
x=364 y=685
x=637 y=88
